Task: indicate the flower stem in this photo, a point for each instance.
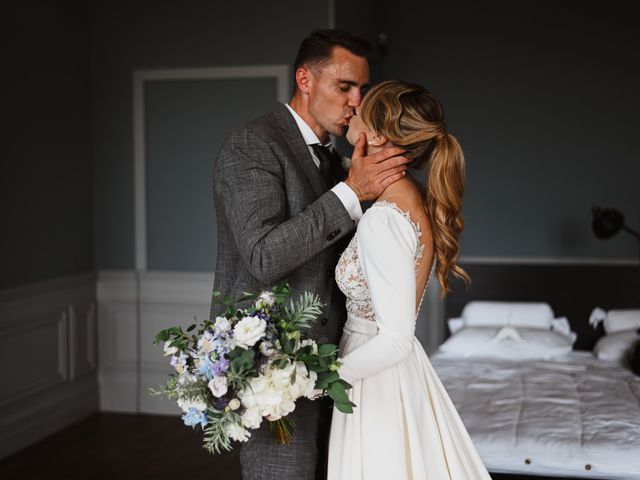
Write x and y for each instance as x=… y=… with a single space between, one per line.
x=282 y=429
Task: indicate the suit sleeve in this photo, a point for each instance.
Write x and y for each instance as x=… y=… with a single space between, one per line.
x=250 y=191
x=386 y=249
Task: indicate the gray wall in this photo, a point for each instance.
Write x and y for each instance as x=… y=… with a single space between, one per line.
x=186 y=122
x=541 y=95
x=46 y=180
x=163 y=34
x=544 y=99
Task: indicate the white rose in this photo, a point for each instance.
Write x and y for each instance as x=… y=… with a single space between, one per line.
x=304 y=385
x=308 y=387
x=314 y=345
x=266 y=349
x=251 y=418
x=268 y=398
x=283 y=407
x=248 y=331
x=266 y=299
x=234 y=404
x=315 y=393
x=237 y=432
x=186 y=378
x=168 y=350
x=222 y=324
x=205 y=343
x=218 y=386
x=248 y=395
x=197 y=403
x=281 y=377
x=179 y=363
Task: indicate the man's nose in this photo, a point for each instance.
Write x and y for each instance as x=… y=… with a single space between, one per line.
x=355 y=98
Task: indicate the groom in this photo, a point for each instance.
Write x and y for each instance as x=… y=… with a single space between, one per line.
x=283 y=213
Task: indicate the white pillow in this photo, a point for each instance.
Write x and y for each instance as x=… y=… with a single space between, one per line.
x=465 y=341
x=510 y=343
x=455 y=324
x=615 y=347
x=518 y=314
x=620 y=320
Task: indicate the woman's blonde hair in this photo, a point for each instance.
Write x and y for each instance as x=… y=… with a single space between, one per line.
x=411 y=118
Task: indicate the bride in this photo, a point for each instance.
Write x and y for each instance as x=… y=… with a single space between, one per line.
x=405 y=425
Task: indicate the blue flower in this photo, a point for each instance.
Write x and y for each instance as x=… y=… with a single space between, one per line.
x=206 y=366
x=194 y=417
x=220 y=367
x=213 y=368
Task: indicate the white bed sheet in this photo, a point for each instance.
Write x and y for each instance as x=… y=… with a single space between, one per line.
x=572 y=417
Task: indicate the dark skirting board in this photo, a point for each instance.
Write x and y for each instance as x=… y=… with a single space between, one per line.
x=573 y=291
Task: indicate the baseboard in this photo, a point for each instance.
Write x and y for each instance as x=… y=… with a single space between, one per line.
x=35 y=419
x=48 y=354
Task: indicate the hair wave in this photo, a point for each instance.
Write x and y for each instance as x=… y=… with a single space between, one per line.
x=410 y=117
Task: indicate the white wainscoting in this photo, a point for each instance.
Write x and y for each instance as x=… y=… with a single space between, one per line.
x=48 y=355
x=130 y=363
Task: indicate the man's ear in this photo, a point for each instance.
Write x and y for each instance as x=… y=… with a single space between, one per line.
x=303 y=79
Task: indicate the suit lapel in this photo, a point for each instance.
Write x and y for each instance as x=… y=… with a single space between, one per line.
x=299 y=148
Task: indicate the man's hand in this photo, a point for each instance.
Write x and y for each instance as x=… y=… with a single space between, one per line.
x=370 y=175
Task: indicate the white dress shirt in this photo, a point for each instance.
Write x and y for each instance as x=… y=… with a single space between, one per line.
x=347 y=196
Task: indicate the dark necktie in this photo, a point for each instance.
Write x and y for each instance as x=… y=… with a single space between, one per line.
x=329 y=163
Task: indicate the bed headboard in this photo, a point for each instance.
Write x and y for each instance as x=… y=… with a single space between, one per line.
x=573 y=291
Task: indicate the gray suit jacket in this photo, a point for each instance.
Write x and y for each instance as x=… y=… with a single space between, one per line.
x=277 y=220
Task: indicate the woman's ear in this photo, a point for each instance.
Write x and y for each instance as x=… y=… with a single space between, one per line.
x=377 y=140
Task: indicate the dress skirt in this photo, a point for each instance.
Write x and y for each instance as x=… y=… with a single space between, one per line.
x=404 y=425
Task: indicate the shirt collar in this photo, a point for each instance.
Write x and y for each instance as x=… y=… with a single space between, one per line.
x=309 y=136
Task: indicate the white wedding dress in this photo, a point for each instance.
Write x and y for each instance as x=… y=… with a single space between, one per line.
x=404 y=425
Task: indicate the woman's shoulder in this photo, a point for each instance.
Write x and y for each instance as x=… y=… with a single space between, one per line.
x=385 y=218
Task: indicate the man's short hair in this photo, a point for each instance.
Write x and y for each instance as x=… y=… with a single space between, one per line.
x=316 y=49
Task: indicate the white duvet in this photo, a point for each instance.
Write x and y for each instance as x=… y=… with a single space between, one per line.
x=575 y=417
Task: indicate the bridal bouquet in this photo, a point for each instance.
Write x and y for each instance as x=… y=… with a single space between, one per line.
x=251 y=365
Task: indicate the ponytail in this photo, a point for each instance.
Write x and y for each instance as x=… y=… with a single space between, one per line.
x=411 y=118
x=443 y=199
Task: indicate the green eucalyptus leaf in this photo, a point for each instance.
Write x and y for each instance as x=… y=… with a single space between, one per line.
x=314 y=367
x=289 y=346
x=344 y=407
x=325 y=378
x=307 y=359
x=283 y=363
x=327 y=349
x=337 y=392
x=162 y=336
x=345 y=384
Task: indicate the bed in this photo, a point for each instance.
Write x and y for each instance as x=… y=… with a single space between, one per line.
x=567 y=408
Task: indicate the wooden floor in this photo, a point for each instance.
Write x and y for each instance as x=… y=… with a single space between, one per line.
x=114 y=447
x=123 y=447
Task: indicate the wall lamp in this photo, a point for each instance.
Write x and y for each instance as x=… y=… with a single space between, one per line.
x=607 y=222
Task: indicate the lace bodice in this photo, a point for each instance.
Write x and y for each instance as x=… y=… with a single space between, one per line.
x=349 y=275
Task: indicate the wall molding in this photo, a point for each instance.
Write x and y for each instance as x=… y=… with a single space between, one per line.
x=130 y=362
x=96 y=335
x=128 y=369
x=140 y=78
x=577 y=261
x=48 y=327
